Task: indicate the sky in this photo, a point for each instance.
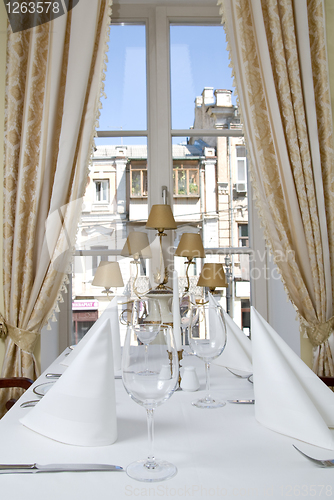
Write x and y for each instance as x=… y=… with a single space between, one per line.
x=198 y=56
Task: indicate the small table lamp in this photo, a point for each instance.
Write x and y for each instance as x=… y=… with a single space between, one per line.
x=212 y=275
x=137 y=246
x=191 y=247
x=108 y=274
x=161 y=218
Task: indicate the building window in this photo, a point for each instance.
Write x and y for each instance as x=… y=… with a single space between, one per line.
x=243 y=235
x=245 y=315
x=186 y=180
x=101 y=191
x=241 y=181
x=138 y=180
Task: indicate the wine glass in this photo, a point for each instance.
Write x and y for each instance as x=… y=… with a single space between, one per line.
x=207 y=340
x=185 y=307
x=146 y=321
x=150 y=391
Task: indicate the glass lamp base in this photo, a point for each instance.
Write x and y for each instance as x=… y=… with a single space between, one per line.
x=159 y=472
x=208 y=403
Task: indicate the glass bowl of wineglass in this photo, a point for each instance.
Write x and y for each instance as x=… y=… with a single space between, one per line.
x=146 y=322
x=158 y=361
x=207 y=340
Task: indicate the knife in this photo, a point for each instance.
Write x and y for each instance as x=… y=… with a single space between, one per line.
x=24 y=468
x=242 y=401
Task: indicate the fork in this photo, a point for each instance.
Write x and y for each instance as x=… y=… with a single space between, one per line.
x=28 y=404
x=320 y=463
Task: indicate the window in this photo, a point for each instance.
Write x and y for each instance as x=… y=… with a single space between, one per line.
x=138 y=179
x=245 y=315
x=186 y=180
x=241 y=182
x=243 y=235
x=101 y=191
x=162 y=126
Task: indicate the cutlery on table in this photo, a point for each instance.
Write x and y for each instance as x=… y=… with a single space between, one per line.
x=24 y=468
x=242 y=401
x=28 y=404
x=320 y=463
x=239 y=375
x=57 y=375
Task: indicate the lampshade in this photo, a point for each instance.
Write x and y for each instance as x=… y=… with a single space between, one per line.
x=190 y=246
x=108 y=274
x=137 y=245
x=212 y=275
x=160 y=218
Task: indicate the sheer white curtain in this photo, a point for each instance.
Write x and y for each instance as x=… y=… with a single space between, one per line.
x=278 y=51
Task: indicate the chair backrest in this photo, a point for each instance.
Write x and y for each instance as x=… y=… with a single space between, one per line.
x=22 y=382
x=328 y=381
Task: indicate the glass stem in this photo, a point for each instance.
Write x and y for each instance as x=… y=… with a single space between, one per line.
x=150 y=463
x=146 y=357
x=207 y=380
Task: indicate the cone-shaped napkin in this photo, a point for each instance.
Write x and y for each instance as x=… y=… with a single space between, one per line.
x=111 y=313
x=237 y=354
x=289 y=397
x=80 y=408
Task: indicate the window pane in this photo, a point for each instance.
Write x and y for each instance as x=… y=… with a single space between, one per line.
x=125 y=83
x=181 y=177
x=241 y=170
x=243 y=229
x=241 y=151
x=101 y=190
x=136 y=184
x=199 y=58
x=144 y=174
x=214 y=188
x=109 y=213
x=193 y=182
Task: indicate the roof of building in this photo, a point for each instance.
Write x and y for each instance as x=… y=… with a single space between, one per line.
x=140 y=151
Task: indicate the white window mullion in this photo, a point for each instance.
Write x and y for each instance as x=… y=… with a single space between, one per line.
x=160 y=170
x=159 y=137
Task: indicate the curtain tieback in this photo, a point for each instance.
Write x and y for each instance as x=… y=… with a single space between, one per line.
x=318 y=333
x=24 y=339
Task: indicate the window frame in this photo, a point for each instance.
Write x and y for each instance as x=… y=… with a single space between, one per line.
x=101 y=180
x=183 y=167
x=157 y=19
x=139 y=168
x=241 y=183
x=243 y=238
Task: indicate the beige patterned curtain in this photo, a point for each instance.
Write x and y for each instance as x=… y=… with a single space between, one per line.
x=53 y=83
x=278 y=51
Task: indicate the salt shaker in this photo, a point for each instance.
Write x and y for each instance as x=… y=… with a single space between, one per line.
x=189 y=381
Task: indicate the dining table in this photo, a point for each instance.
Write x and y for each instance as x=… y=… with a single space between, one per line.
x=219 y=453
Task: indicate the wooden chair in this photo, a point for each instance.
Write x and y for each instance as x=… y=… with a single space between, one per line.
x=22 y=382
x=329 y=381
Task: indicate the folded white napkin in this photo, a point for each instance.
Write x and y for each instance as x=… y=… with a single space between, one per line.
x=111 y=313
x=80 y=408
x=237 y=354
x=289 y=397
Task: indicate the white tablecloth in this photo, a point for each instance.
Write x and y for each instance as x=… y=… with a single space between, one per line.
x=222 y=453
